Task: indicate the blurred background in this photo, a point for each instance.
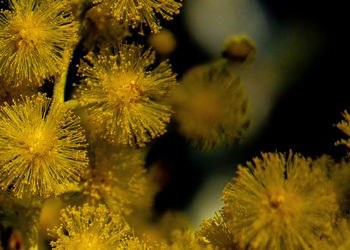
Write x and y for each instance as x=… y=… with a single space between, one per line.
x=297 y=86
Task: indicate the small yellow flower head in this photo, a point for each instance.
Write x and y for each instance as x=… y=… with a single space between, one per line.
x=239 y=49
x=42 y=147
x=344 y=126
x=102 y=30
x=279 y=203
x=122 y=94
x=138 y=13
x=215 y=231
x=33 y=36
x=118 y=179
x=163 y=42
x=211 y=107
x=90 y=228
x=9 y=92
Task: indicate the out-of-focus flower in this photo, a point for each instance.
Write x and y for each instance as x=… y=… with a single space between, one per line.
x=42 y=147
x=136 y=243
x=279 y=203
x=171 y=221
x=123 y=92
x=211 y=107
x=90 y=228
x=163 y=42
x=33 y=37
x=240 y=50
x=187 y=239
x=138 y=13
x=102 y=30
x=9 y=92
x=118 y=179
x=215 y=231
x=339 y=175
x=340 y=239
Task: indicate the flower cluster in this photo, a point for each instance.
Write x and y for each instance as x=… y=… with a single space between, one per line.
x=83 y=99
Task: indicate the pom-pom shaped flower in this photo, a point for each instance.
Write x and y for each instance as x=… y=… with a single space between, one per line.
x=211 y=107
x=141 y=12
x=122 y=93
x=42 y=147
x=90 y=228
x=118 y=179
x=279 y=203
x=163 y=42
x=33 y=36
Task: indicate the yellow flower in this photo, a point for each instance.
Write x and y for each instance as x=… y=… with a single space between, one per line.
x=33 y=37
x=211 y=107
x=279 y=203
x=90 y=228
x=42 y=147
x=122 y=94
x=215 y=231
x=164 y=42
x=141 y=12
x=9 y=92
x=117 y=178
x=339 y=175
x=102 y=30
x=344 y=126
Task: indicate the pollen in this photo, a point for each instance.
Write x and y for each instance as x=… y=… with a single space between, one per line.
x=42 y=147
x=124 y=95
x=33 y=36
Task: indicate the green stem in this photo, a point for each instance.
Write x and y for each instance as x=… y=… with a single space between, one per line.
x=31 y=229
x=29 y=217
x=60 y=83
x=22 y=215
